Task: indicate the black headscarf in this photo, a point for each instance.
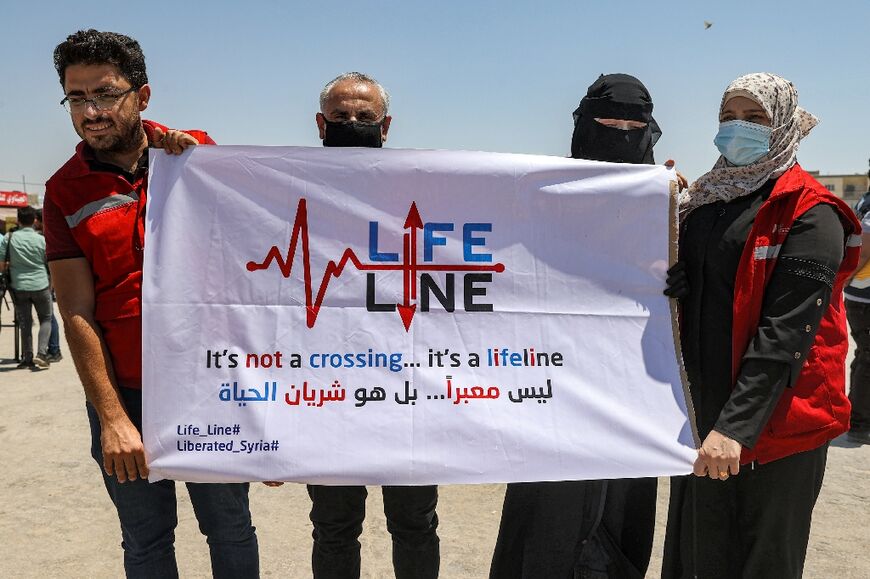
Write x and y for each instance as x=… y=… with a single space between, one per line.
x=615 y=96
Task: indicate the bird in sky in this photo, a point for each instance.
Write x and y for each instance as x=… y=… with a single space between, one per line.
x=707 y=24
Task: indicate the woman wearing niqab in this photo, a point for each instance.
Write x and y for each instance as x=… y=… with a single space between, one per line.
x=615 y=97
x=598 y=528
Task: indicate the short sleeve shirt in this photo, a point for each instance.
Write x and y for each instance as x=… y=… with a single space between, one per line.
x=26 y=259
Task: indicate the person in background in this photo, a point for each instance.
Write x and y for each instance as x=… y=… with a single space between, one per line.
x=596 y=528
x=765 y=251
x=29 y=274
x=857 y=295
x=54 y=353
x=95 y=230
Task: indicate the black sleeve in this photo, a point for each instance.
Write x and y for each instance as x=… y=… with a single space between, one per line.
x=796 y=297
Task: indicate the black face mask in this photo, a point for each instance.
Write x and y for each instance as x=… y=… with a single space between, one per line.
x=603 y=143
x=352 y=134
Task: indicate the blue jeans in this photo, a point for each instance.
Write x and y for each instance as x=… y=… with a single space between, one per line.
x=338 y=513
x=147 y=512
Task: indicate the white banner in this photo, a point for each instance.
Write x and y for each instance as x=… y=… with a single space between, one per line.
x=369 y=316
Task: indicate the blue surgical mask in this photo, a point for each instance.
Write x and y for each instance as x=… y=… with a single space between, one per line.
x=742 y=142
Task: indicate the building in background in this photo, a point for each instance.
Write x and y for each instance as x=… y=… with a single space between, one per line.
x=849 y=188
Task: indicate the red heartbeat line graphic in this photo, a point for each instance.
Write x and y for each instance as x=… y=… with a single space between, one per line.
x=409 y=265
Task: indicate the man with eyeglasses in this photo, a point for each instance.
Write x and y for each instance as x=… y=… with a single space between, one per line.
x=353 y=113
x=94 y=226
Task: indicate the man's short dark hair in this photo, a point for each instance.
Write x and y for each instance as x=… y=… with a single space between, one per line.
x=95 y=47
x=26 y=216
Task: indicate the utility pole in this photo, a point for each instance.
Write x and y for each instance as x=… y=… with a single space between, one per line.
x=23 y=184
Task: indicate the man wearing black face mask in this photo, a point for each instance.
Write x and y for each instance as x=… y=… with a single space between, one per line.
x=353 y=113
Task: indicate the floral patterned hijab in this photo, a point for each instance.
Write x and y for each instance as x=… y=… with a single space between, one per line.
x=790 y=124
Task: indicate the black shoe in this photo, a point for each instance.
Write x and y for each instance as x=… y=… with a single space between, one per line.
x=25 y=364
x=859 y=436
x=54 y=357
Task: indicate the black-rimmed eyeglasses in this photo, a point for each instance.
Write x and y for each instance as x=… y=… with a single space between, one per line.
x=101 y=102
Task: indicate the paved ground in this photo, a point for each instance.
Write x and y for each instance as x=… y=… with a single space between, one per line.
x=56 y=520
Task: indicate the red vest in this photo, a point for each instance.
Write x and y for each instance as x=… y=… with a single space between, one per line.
x=106 y=216
x=816 y=409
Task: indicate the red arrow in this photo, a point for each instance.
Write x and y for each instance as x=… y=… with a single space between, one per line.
x=413 y=219
x=407 y=314
x=413 y=222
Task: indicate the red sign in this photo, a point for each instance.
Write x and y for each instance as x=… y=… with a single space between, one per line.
x=13 y=199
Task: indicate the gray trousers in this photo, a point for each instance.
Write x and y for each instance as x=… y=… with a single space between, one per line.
x=41 y=300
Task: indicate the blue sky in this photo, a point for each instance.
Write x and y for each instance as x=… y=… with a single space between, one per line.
x=484 y=75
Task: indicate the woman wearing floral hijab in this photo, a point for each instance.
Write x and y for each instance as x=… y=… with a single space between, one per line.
x=764 y=253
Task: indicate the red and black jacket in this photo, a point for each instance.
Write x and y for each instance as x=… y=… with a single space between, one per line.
x=816 y=409
x=100 y=215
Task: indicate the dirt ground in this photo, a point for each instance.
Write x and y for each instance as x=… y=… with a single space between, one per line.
x=56 y=520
